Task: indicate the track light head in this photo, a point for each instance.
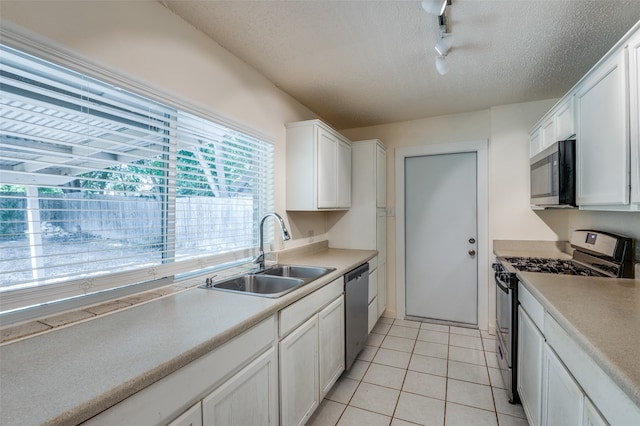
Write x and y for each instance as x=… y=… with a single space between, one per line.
x=442 y=65
x=434 y=7
x=444 y=44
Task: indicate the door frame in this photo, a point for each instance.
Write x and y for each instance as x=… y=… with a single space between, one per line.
x=482 y=192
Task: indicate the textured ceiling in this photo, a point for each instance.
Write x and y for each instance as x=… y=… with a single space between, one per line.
x=362 y=63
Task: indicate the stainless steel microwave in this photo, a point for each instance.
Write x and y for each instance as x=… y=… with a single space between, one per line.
x=553 y=176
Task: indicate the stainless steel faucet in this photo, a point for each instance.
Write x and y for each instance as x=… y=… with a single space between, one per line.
x=259 y=259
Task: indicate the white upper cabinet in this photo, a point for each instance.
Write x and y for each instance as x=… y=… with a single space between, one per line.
x=634 y=90
x=602 y=136
x=318 y=167
x=564 y=119
x=603 y=111
x=557 y=125
x=548 y=131
x=535 y=141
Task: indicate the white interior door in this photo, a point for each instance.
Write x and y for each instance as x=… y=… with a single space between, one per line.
x=441 y=268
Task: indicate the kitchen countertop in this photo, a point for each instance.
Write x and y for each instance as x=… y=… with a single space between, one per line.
x=68 y=375
x=601 y=314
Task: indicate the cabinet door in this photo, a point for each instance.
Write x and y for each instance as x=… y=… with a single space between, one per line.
x=248 y=398
x=327 y=170
x=530 y=350
x=381 y=177
x=548 y=131
x=562 y=399
x=299 y=387
x=191 y=417
x=634 y=97
x=372 y=314
x=331 y=351
x=344 y=174
x=535 y=142
x=602 y=135
x=564 y=119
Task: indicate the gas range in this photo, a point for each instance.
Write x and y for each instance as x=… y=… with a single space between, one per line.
x=596 y=254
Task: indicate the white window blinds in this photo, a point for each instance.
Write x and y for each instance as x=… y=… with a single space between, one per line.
x=102 y=188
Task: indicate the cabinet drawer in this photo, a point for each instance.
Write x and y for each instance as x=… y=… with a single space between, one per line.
x=295 y=314
x=373 y=285
x=373 y=264
x=531 y=305
x=373 y=315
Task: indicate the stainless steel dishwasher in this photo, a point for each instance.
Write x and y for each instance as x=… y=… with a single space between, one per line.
x=356 y=289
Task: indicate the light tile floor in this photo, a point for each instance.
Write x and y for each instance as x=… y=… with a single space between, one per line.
x=419 y=373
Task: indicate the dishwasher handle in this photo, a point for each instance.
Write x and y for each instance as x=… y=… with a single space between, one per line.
x=356 y=273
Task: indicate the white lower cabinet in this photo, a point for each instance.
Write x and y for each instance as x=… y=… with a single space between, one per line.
x=382 y=289
x=530 y=358
x=562 y=397
x=558 y=383
x=299 y=388
x=591 y=416
x=331 y=345
x=373 y=295
x=191 y=417
x=311 y=351
x=248 y=398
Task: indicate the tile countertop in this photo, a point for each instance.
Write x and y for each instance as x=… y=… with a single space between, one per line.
x=70 y=374
x=601 y=314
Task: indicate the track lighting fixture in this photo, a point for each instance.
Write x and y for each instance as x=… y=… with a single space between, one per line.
x=442 y=65
x=444 y=44
x=434 y=7
x=445 y=38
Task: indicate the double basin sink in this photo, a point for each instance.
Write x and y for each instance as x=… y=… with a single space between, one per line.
x=275 y=281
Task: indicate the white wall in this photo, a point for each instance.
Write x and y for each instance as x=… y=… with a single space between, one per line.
x=145 y=41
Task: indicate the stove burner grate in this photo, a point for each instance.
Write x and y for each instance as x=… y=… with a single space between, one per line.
x=550 y=266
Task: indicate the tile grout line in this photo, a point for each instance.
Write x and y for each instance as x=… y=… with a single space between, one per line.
x=493 y=398
x=406 y=372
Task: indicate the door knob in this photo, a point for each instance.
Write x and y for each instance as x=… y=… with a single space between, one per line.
x=472 y=252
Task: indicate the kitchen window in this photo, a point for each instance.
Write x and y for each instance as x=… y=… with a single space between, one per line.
x=102 y=188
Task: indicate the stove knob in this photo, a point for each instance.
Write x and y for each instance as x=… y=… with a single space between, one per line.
x=472 y=252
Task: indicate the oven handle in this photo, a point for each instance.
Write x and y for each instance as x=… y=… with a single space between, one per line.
x=501 y=286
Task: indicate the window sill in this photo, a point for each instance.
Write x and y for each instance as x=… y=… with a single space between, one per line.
x=15 y=332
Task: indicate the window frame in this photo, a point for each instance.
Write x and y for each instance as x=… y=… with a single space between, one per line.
x=40 y=47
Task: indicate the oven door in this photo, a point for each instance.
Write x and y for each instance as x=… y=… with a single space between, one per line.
x=504 y=318
x=506 y=329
